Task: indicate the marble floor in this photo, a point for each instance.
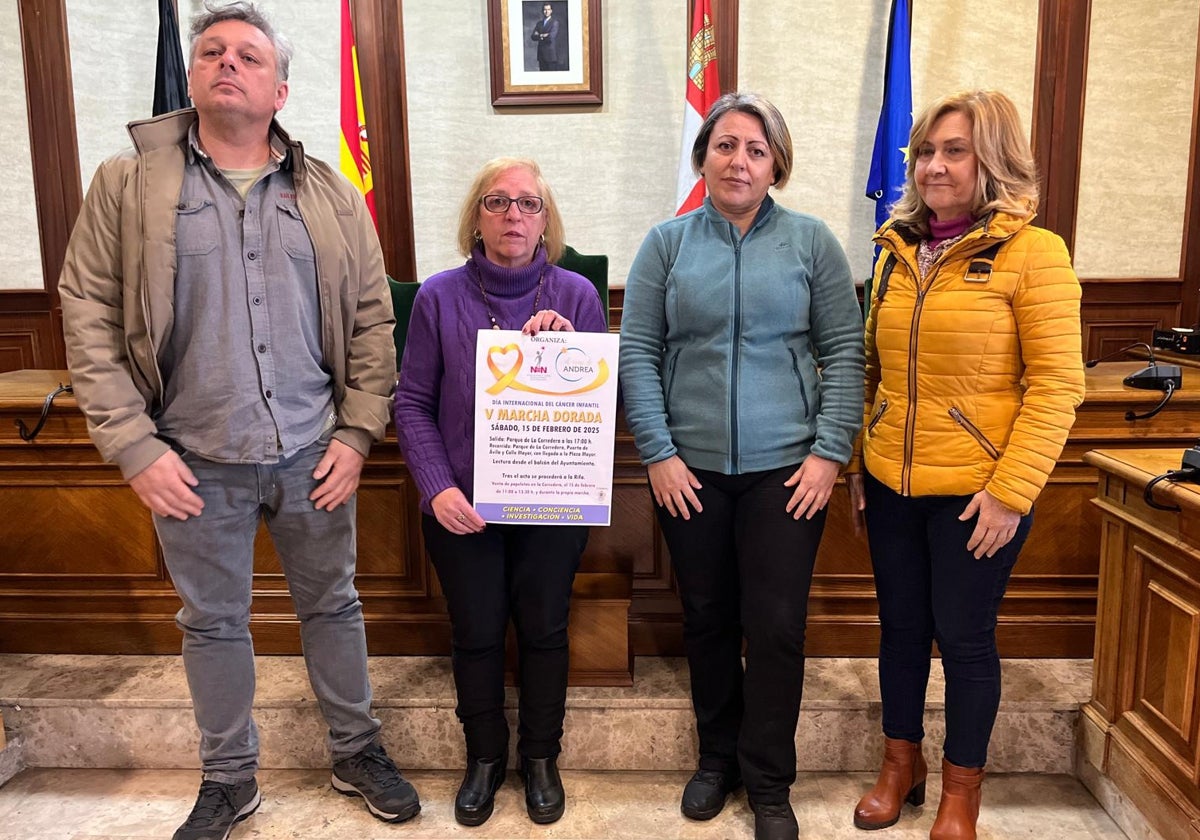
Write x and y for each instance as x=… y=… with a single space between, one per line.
x=56 y=804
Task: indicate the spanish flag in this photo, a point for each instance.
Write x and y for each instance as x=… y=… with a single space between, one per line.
x=703 y=89
x=355 y=158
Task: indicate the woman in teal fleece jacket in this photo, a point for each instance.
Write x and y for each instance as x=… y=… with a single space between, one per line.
x=742 y=374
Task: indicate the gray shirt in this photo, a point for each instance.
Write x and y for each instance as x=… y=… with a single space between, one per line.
x=245 y=380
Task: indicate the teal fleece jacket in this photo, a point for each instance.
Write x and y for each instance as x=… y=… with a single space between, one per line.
x=742 y=353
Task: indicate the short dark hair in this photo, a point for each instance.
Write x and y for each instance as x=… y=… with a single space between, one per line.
x=779 y=139
x=247 y=12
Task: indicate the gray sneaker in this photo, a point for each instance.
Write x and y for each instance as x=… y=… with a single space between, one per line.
x=218 y=808
x=373 y=776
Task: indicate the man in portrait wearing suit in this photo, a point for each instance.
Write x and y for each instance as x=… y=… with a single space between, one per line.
x=546 y=33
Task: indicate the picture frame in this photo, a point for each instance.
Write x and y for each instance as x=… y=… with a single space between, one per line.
x=539 y=59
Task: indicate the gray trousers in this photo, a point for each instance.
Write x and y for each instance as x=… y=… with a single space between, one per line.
x=211 y=561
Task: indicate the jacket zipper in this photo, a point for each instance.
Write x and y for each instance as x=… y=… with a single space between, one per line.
x=980 y=438
x=733 y=356
x=800 y=379
x=878 y=416
x=923 y=287
x=910 y=419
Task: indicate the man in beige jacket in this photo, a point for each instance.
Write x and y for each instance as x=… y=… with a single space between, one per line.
x=229 y=333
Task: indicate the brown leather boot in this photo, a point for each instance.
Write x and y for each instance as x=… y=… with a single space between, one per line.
x=959 y=809
x=901 y=779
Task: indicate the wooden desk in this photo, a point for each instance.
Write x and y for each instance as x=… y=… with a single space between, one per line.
x=1141 y=729
x=81 y=572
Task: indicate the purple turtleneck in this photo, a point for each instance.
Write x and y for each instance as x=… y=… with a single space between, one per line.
x=939 y=232
x=435 y=398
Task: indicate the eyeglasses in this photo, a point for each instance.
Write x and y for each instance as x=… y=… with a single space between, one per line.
x=527 y=204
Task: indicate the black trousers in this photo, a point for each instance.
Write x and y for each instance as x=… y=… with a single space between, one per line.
x=744 y=568
x=524 y=572
x=930 y=587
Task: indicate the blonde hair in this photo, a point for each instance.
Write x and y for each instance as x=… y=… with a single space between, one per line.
x=779 y=139
x=468 y=217
x=1006 y=174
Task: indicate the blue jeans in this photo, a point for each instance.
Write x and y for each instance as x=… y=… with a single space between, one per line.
x=211 y=561
x=930 y=587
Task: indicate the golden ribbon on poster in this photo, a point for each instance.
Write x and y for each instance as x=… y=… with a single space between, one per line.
x=508 y=378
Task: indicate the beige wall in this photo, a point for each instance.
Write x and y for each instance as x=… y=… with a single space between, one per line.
x=821 y=62
x=1136 y=138
x=613 y=167
x=113 y=58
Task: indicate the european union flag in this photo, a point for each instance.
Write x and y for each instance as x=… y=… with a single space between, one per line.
x=886 y=180
x=170 y=77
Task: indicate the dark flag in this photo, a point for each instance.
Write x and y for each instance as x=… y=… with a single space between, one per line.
x=170 y=77
x=890 y=158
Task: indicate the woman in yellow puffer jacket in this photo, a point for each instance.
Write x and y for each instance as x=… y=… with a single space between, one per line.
x=973 y=374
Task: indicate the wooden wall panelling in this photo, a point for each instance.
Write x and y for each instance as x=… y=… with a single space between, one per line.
x=29 y=334
x=81 y=571
x=1118 y=312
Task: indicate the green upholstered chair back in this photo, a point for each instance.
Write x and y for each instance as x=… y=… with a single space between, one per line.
x=592 y=266
x=403 y=295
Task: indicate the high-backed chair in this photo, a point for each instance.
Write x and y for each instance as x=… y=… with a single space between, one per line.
x=592 y=266
x=403 y=295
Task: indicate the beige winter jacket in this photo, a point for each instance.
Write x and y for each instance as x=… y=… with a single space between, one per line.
x=118 y=281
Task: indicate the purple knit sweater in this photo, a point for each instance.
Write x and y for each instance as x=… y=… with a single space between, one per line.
x=435 y=399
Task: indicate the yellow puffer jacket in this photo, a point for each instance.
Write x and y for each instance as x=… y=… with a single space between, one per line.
x=973 y=376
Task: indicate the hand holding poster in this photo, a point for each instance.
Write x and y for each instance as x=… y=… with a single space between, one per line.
x=545 y=427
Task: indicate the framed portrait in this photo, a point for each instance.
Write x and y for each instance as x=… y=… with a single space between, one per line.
x=545 y=52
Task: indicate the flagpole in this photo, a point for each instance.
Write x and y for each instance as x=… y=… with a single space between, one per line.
x=702 y=88
x=889 y=159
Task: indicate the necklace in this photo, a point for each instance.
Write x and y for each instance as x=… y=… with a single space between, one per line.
x=487 y=304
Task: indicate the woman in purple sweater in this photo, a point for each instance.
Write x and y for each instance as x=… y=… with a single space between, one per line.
x=511 y=233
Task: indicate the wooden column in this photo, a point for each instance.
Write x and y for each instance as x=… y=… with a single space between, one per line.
x=31 y=321
x=379 y=34
x=1190 y=264
x=1058 y=96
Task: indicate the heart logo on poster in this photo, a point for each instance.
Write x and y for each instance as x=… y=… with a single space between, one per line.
x=504 y=378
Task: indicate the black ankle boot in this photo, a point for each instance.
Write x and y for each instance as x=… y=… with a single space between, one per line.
x=477 y=793
x=545 y=799
x=705 y=794
x=775 y=822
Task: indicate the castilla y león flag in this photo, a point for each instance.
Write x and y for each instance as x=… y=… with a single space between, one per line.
x=703 y=89
x=355 y=159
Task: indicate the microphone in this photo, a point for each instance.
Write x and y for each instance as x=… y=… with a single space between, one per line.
x=1191 y=461
x=1149 y=351
x=1153 y=377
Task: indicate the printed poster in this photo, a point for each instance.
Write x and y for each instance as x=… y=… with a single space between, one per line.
x=545 y=425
